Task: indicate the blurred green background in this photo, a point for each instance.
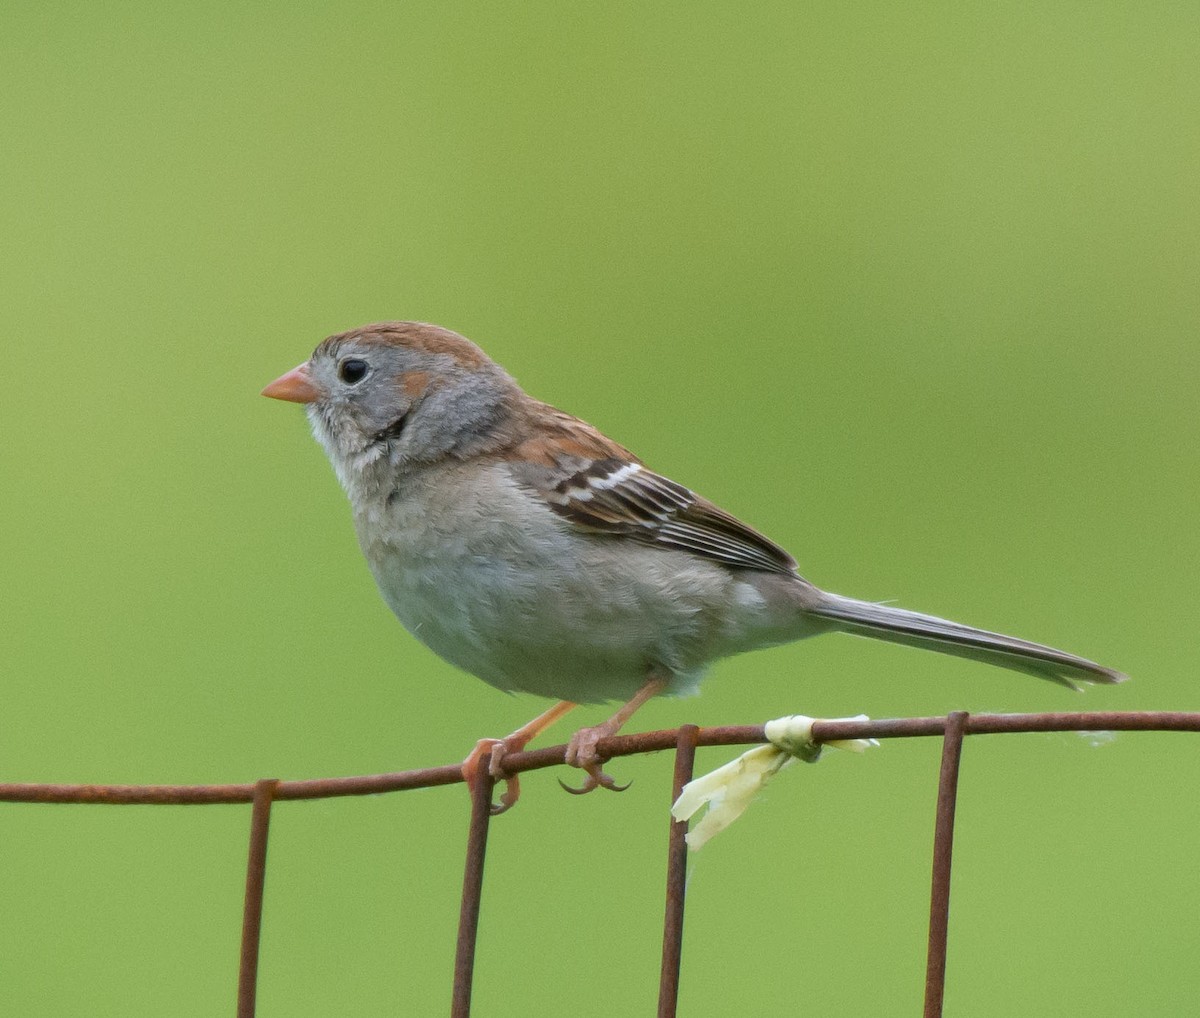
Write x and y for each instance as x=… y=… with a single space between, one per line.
x=911 y=288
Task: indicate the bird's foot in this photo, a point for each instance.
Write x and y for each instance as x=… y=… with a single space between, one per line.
x=495 y=750
x=474 y=769
x=582 y=753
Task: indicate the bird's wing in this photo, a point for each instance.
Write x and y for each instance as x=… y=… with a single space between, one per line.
x=600 y=487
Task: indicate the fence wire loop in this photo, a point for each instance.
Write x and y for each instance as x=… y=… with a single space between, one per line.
x=952 y=729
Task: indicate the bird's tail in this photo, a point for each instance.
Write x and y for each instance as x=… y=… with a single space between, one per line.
x=931 y=633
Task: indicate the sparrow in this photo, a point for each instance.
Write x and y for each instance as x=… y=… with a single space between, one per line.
x=525 y=547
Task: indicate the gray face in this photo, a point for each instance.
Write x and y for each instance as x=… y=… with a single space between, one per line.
x=390 y=402
x=363 y=393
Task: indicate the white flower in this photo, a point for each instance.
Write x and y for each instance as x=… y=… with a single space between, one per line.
x=728 y=790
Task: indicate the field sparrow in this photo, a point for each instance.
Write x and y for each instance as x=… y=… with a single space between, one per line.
x=525 y=547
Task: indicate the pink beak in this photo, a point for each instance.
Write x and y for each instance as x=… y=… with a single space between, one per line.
x=295 y=387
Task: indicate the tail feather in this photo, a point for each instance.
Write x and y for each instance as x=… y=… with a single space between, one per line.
x=931 y=633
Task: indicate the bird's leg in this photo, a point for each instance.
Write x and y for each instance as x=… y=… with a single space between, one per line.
x=494 y=750
x=581 y=750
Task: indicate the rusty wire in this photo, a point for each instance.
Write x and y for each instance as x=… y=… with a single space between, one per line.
x=672 y=952
x=943 y=850
x=468 y=913
x=256 y=879
x=952 y=728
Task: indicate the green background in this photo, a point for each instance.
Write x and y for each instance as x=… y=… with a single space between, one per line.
x=910 y=287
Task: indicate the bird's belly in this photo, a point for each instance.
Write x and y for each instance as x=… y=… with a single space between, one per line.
x=535 y=630
x=567 y=621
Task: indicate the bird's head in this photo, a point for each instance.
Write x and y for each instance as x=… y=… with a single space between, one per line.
x=400 y=394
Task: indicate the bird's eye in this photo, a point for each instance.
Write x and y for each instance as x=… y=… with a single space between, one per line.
x=352 y=370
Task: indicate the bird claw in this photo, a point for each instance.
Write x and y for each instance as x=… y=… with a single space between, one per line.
x=581 y=752
x=494 y=750
x=512 y=792
x=595 y=779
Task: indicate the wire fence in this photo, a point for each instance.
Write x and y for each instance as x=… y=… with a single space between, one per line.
x=952 y=728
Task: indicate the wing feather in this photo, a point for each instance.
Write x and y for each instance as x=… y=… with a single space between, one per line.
x=617 y=495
